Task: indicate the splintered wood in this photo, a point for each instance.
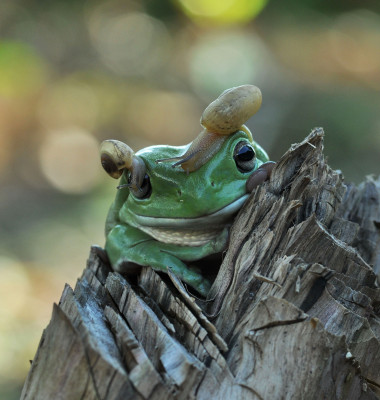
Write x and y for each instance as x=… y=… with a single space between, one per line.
x=293 y=312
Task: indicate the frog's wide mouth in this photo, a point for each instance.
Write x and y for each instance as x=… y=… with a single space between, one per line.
x=217 y=219
x=189 y=231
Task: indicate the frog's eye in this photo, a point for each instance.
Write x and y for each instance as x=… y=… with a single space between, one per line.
x=245 y=157
x=142 y=192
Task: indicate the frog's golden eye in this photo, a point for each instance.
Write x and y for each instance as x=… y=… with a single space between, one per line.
x=245 y=157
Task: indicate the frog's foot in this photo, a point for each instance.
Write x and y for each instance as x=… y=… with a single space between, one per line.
x=194 y=279
x=221 y=241
x=189 y=275
x=158 y=256
x=260 y=175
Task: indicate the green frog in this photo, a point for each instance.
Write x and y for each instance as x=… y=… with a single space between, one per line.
x=175 y=204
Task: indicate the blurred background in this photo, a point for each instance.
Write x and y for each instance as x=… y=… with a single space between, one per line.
x=75 y=72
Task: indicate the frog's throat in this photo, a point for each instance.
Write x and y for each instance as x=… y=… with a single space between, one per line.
x=189 y=231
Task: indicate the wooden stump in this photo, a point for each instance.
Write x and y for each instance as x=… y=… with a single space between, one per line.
x=293 y=313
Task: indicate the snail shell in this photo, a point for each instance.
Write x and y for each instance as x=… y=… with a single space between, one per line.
x=115 y=156
x=231 y=109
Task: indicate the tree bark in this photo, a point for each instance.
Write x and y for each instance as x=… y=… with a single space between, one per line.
x=293 y=312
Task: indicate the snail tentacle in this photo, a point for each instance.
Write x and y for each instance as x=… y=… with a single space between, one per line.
x=203 y=147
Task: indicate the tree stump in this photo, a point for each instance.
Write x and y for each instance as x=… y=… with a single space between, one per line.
x=293 y=312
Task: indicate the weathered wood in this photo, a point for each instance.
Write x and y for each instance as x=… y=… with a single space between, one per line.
x=294 y=312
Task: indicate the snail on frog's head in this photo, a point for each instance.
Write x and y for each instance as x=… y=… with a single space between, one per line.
x=221 y=118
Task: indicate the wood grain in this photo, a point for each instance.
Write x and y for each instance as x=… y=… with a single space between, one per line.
x=293 y=312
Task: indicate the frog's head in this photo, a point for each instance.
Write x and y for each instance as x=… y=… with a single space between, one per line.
x=205 y=186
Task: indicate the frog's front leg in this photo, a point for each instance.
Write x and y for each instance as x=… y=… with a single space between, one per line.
x=129 y=244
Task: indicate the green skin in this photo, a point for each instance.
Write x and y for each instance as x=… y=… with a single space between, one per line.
x=181 y=196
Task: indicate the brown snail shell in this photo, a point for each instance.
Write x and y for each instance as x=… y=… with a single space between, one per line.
x=231 y=109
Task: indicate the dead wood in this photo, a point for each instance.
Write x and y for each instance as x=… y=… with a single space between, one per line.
x=293 y=313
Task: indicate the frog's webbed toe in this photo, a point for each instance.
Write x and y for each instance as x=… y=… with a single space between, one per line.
x=162 y=261
x=259 y=176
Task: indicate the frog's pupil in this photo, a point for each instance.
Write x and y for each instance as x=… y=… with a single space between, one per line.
x=146 y=188
x=246 y=153
x=145 y=181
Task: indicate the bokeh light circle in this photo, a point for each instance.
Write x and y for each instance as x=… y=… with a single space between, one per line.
x=22 y=71
x=222 y=11
x=69 y=160
x=130 y=44
x=226 y=59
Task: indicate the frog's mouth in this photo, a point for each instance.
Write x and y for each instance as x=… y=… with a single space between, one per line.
x=189 y=231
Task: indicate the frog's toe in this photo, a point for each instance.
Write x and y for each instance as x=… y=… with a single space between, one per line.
x=260 y=175
x=204 y=287
x=195 y=279
x=201 y=285
x=220 y=242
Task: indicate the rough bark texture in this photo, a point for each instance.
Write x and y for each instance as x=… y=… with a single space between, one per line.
x=293 y=313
